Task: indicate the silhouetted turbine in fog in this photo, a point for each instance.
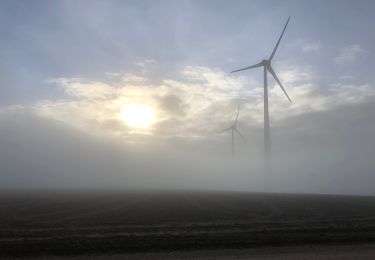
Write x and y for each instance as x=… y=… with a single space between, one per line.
x=233 y=128
x=266 y=64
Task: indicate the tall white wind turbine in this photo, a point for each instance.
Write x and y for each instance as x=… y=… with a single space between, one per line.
x=266 y=64
x=233 y=129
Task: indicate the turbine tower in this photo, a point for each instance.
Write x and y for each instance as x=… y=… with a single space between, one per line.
x=266 y=64
x=233 y=129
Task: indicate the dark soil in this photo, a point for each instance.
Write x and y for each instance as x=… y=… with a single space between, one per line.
x=83 y=223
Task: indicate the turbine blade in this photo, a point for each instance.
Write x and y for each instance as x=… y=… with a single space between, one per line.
x=242 y=137
x=238 y=110
x=269 y=68
x=281 y=36
x=250 y=67
x=226 y=129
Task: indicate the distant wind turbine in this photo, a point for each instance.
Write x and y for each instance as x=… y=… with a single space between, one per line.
x=233 y=129
x=266 y=64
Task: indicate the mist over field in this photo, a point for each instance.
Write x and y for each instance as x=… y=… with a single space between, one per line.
x=313 y=153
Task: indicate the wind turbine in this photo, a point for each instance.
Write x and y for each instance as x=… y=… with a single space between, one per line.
x=233 y=129
x=266 y=64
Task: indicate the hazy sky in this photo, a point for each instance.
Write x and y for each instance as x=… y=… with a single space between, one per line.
x=68 y=68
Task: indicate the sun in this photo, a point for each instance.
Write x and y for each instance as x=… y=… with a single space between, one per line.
x=138 y=115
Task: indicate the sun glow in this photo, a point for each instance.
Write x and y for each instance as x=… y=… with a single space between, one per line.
x=138 y=115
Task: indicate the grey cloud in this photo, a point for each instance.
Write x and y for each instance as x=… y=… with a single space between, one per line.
x=350 y=54
x=173 y=104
